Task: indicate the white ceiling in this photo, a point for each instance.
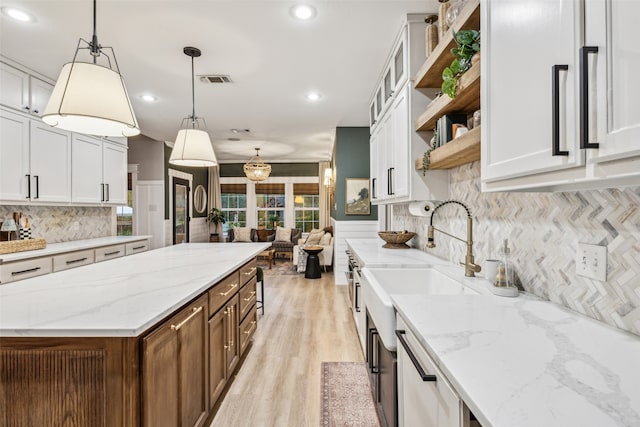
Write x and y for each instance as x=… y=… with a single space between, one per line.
x=273 y=60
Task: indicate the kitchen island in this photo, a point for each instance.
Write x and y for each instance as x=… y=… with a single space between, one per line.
x=133 y=341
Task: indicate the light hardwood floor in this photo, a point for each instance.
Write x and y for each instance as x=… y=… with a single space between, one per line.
x=306 y=322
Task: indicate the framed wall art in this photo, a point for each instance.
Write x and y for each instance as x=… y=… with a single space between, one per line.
x=357 y=193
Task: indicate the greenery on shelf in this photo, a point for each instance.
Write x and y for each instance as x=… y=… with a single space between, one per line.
x=217 y=217
x=468 y=42
x=426 y=157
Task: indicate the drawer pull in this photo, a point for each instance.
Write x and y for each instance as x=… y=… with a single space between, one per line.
x=76 y=260
x=251 y=329
x=139 y=247
x=251 y=296
x=405 y=345
x=195 y=311
x=111 y=253
x=250 y=272
x=31 y=270
x=232 y=287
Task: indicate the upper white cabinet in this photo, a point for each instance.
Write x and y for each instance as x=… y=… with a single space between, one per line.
x=394 y=108
x=22 y=91
x=569 y=117
x=35 y=160
x=114 y=172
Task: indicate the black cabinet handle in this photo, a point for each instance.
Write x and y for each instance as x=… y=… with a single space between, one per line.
x=28 y=186
x=391 y=171
x=555 y=110
x=76 y=260
x=31 y=270
x=37 y=186
x=405 y=345
x=139 y=247
x=372 y=366
x=388 y=182
x=108 y=195
x=102 y=192
x=373 y=187
x=356 y=297
x=111 y=253
x=584 y=97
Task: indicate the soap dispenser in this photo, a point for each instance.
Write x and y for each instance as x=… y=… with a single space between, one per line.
x=504 y=281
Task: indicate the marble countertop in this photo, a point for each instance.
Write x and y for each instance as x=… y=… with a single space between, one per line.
x=372 y=255
x=529 y=363
x=74 y=245
x=122 y=297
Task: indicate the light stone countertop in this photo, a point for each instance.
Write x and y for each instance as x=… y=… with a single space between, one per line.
x=371 y=253
x=121 y=297
x=74 y=245
x=524 y=362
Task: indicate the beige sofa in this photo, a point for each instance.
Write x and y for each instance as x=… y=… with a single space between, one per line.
x=326 y=256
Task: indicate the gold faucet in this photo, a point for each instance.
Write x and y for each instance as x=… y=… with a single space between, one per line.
x=470 y=267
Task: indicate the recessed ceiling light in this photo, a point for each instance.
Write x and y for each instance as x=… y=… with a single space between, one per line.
x=148 y=97
x=18 y=15
x=303 y=12
x=313 y=96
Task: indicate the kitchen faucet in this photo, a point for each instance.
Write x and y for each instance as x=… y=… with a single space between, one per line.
x=470 y=268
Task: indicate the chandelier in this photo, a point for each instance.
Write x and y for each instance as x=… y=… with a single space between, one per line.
x=256 y=169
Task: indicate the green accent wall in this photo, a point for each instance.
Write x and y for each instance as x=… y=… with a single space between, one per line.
x=350 y=160
x=234 y=170
x=200 y=177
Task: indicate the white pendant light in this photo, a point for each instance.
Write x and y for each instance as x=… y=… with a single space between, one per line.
x=91 y=98
x=193 y=146
x=256 y=169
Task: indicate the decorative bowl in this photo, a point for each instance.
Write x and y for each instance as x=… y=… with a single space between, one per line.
x=396 y=239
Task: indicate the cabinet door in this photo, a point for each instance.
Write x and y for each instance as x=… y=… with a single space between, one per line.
x=39 y=94
x=613 y=83
x=400 y=141
x=14 y=88
x=217 y=355
x=86 y=169
x=384 y=160
x=160 y=378
x=14 y=156
x=50 y=163
x=517 y=106
x=114 y=167
x=374 y=173
x=232 y=329
x=400 y=61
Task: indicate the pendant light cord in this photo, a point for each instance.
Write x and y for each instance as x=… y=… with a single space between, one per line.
x=95 y=47
x=193 y=96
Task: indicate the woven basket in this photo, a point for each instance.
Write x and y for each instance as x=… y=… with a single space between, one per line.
x=22 y=245
x=396 y=239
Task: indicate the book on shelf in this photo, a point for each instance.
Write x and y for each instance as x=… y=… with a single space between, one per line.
x=444 y=126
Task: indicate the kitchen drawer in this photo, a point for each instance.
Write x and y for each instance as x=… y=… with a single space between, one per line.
x=72 y=259
x=247 y=297
x=248 y=328
x=18 y=270
x=136 y=247
x=223 y=291
x=109 y=252
x=248 y=271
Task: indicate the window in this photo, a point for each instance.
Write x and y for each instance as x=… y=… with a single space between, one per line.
x=306 y=206
x=124 y=214
x=234 y=205
x=270 y=204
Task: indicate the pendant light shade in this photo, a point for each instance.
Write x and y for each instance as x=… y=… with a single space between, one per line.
x=91 y=98
x=256 y=169
x=193 y=146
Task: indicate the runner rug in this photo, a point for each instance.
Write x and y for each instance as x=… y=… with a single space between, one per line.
x=346 y=396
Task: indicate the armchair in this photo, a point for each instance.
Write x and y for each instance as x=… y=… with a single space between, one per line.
x=286 y=247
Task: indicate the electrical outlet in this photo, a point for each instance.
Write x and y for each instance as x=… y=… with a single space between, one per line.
x=591 y=261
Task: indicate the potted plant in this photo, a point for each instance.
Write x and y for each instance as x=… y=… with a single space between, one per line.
x=217 y=217
x=468 y=42
x=275 y=220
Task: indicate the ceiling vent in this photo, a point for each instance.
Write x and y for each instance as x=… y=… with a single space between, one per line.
x=217 y=78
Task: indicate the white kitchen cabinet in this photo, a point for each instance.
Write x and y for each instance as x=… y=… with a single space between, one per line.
x=34 y=160
x=86 y=163
x=577 y=121
x=397 y=106
x=22 y=91
x=114 y=172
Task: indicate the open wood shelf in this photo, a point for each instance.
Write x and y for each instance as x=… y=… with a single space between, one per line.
x=467 y=100
x=462 y=150
x=430 y=73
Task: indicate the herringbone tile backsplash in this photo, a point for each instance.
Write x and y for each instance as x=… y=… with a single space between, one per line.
x=543 y=231
x=56 y=223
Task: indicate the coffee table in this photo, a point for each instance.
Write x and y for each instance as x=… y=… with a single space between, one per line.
x=313 y=262
x=269 y=253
